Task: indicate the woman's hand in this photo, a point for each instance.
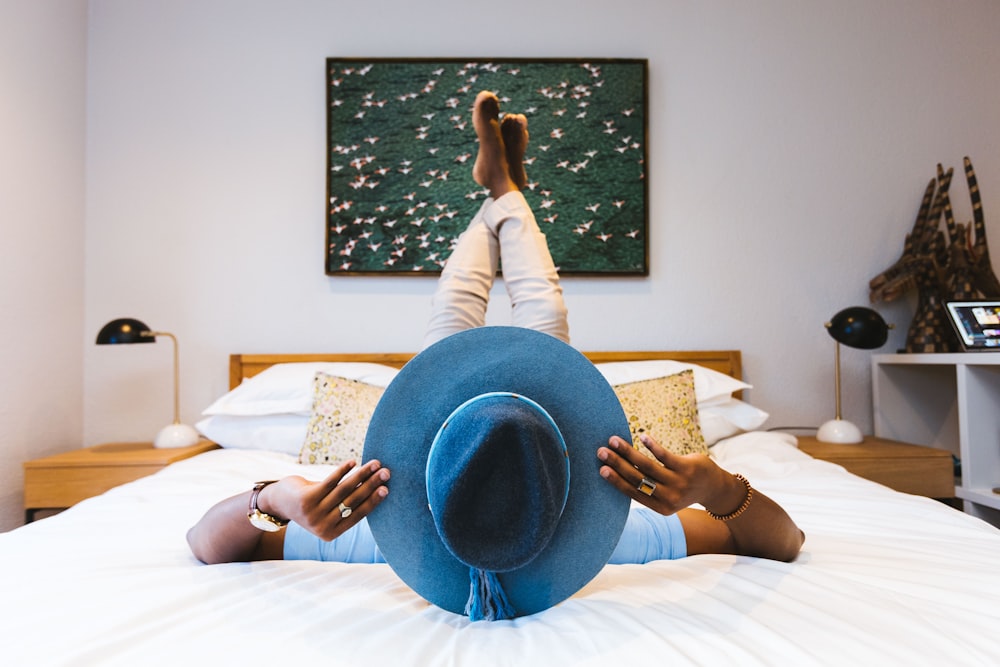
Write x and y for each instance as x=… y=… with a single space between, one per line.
x=322 y=507
x=673 y=482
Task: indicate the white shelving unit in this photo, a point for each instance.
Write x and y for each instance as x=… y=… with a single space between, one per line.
x=949 y=401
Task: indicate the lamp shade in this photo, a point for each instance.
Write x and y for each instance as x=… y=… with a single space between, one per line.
x=124 y=331
x=859 y=327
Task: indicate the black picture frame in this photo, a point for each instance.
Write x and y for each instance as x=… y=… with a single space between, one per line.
x=400 y=149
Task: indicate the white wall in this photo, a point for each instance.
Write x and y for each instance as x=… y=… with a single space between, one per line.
x=790 y=143
x=42 y=75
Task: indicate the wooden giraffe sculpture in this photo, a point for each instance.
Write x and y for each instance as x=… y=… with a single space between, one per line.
x=923 y=242
x=985 y=280
x=940 y=271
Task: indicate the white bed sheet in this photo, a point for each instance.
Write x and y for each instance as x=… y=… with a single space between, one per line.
x=883 y=578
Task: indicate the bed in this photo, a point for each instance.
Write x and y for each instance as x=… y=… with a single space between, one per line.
x=883 y=578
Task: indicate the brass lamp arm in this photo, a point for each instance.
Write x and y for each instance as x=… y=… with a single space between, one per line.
x=177 y=372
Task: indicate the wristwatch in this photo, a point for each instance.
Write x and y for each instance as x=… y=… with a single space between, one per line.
x=261 y=520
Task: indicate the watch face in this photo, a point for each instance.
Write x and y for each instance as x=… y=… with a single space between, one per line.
x=264 y=522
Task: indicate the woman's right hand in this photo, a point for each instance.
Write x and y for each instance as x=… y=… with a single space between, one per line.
x=317 y=506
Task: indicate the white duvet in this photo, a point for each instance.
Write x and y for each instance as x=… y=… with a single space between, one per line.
x=884 y=578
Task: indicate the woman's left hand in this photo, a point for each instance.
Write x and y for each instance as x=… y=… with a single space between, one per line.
x=667 y=484
x=672 y=483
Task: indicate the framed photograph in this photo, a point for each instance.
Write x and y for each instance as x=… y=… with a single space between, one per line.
x=400 y=150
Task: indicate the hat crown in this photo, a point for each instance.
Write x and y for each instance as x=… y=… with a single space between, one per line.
x=497 y=481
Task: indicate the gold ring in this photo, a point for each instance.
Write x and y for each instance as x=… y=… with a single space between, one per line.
x=345 y=511
x=646 y=486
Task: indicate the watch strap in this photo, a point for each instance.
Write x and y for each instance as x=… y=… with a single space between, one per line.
x=254 y=513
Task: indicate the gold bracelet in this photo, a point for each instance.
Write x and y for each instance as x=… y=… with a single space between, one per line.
x=739 y=510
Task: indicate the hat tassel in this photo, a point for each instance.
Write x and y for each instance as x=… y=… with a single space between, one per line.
x=487 y=599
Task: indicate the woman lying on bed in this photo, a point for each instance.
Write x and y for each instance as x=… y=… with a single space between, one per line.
x=325 y=519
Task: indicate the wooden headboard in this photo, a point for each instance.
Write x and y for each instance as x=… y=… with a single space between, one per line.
x=242 y=366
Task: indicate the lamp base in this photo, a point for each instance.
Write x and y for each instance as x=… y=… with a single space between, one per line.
x=176 y=435
x=839 y=431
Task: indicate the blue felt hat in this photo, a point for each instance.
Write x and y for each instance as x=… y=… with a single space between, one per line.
x=496 y=508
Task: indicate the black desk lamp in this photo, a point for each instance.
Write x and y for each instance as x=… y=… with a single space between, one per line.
x=863 y=329
x=126 y=331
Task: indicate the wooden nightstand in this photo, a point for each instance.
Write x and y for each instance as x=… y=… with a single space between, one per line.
x=59 y=481
x=923 y=471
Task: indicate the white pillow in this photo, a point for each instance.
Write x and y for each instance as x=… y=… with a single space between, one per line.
x=727 y=418
x=288 y=388
x=274 y=433
x=709 y=386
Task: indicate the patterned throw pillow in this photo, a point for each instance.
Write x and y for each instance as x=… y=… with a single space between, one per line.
x=341 y=411
x=666 y=409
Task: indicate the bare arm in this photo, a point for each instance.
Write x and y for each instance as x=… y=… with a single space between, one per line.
x=225 y=535
x=763 y=529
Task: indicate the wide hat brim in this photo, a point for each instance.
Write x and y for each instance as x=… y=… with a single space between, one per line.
x=426 y=391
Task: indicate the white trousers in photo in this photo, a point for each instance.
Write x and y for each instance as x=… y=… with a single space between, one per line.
x=503 y=228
